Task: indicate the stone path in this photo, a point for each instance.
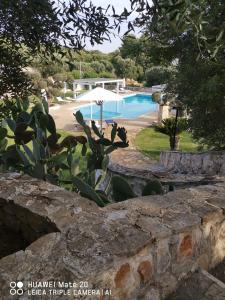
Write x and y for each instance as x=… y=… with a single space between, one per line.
x=131 y=158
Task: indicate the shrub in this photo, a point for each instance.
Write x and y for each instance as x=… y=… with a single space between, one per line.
x=60 y=77
x=76 y=74
x=106 y=75
x=53 y=92
x=97 y=67
x=156 y=97
x=108 y=65
x=69 y=94
x=90 y=74
x=157 y=75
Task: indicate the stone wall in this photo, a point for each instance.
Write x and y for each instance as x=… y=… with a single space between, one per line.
x=139 y=249
x=208 y=163
x=20 y=227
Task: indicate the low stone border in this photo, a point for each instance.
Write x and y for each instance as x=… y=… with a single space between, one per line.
x=209 y=162
x=139 y=177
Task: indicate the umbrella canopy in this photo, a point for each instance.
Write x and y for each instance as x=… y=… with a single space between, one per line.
x=99 y=94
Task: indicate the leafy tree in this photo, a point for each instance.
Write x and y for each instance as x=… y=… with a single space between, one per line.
x=43 y=27
x=168 y=21
x=132 y=47
x=157 y=75
x=108 y=65
x=127 y=68
x=191 y=33
x=199 y=84
x=170 y=128
x=98 y=67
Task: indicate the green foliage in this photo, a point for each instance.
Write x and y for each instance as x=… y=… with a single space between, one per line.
x=54 y=92
x=126 y=68
x=41 y=28
x=76 y=74
x=61 y=77
x=108 y=65
x=106 y=75
x=90 y=74
x=157 y=75
x=157 y=97
x=191 y=35
x=131 y=47
x=153 y=187
x=151 y=143
x=102 y=146
x=98 y=67
x=168 y=126
x=10 y=107
x=121 y=189
x=36 y=149
x=169 y=22
x=69 y=94
x=200 y=85
x=173 y=129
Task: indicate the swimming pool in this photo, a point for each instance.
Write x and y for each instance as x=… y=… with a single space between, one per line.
x=130 y=107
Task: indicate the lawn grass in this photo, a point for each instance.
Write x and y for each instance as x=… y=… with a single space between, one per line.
x=152 y=143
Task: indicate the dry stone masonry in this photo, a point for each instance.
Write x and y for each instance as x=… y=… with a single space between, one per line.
x=140 y=249
x=209 y=162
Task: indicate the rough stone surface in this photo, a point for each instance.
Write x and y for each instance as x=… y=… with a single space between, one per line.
x=200 y=286
x=137 y=248
x=145 y=271
x=139 y=177
x=208 y=163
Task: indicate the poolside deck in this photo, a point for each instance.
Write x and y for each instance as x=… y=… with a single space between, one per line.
x=63 y=116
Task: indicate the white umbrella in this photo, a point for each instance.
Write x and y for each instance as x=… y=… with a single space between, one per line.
x=99 y=95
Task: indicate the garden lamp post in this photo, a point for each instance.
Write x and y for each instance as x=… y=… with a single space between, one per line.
x=177 y=107
x=100 y=103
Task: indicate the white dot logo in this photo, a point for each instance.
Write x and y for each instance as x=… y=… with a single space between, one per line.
x=19 y=284
x=16 y=288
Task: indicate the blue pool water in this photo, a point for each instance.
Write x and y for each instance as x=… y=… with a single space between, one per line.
x=130 y=107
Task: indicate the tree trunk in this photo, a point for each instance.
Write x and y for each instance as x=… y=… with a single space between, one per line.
x=177 y=143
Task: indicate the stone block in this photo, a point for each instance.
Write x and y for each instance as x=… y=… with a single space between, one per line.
x=122 y=276
x=152 y=294
x=186 y=246
x=154 y=226
x=146 y=271
x=167 y=283
x=163 y=256
x=203 y=262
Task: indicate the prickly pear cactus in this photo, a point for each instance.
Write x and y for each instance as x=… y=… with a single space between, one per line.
x=153 y=187
x=121 y=189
